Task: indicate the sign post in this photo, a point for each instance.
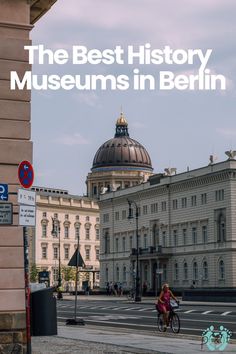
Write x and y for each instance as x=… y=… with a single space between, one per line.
x=27 y=201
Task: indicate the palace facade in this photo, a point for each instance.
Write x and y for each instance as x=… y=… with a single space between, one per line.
x=186 y=230
x=74 y=218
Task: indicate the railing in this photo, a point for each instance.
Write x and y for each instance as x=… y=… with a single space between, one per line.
x=147 y=250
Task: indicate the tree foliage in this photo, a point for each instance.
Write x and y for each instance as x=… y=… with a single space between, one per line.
x=34 y=271
x=68 y=273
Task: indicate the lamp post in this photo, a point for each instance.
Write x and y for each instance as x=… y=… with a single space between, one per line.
x=130 y=216
x=56 y=232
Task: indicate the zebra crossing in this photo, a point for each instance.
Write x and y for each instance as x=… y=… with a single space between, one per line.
x=62 y=306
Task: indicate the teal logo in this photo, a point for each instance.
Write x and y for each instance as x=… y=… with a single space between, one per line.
x=216 y=339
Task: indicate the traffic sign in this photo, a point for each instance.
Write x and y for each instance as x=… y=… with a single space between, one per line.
x=26 y=197
x=74 y=262
x=5 y=214
x=26 y=215
x=26 y=174
x=3 y=192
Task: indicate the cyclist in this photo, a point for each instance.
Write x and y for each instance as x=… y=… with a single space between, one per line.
x=163 y=303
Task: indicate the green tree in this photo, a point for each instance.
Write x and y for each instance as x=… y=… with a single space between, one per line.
x=34 y=271
x=68 y=273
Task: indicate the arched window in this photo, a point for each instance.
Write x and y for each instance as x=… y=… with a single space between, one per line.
x=205 y=270
x=221 y=228
x=195 y=271
x=221 y=270
x=154 y=234
x=124 y=273
x=176 y=271
x=185 y=271
x=117 y=274
x=107 y=275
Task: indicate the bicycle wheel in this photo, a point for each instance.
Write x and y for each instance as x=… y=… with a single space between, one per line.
x=175 y=323
x=160 y=322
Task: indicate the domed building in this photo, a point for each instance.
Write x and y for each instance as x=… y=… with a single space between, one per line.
x=119 y=163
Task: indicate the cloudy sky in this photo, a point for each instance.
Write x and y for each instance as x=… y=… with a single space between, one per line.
x=178 y=128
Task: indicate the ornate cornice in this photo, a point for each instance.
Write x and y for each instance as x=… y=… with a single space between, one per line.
x=38 y=8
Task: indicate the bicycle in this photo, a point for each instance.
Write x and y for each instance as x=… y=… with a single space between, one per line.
x=174 y=320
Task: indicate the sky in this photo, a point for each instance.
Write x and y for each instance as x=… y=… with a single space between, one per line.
x=178 y=128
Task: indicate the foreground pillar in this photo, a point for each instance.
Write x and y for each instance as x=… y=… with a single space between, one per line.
x=16 y=19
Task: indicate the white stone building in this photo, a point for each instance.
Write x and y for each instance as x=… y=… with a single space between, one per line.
x=186 y=228
x=77 y=217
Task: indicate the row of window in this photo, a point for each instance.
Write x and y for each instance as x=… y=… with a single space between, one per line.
x=121 y=274
x=176 y=204
x=121 y=243
x=44 y=249
x=67 y=232
x=67 y=216
x=198 y=273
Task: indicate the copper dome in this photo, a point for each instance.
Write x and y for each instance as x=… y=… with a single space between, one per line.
x=122 y=151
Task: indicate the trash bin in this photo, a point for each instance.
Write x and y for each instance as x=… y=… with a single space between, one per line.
x=43 y=313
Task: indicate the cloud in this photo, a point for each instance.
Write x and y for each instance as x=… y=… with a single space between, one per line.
x=180 y=23
x=88 y=98
x=137 y=125
x=226 y=132
x=71 y=140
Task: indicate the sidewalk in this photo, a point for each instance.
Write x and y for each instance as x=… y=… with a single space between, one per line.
x=145 y=300
x=91 y=339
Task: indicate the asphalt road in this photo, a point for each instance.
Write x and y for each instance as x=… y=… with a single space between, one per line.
x=194 y=318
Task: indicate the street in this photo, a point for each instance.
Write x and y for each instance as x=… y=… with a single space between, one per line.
x=121 y=313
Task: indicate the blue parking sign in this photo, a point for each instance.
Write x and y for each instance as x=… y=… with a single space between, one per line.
x=3 y=192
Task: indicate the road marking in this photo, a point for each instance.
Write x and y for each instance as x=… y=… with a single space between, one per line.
x=206 y=312
x=226 y=313
x=143 y=309
x=131 y=308
x=189 y=311
x=154 y=310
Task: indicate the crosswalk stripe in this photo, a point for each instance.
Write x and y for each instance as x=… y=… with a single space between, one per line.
x=226 y=313
x=143 y=309
x=189 y=311
x=206 y=312
x=131 y=308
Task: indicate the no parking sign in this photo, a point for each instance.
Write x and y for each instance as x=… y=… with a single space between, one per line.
x=26 y=174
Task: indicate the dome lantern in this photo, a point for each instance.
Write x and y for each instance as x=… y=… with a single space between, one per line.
x=121 y=126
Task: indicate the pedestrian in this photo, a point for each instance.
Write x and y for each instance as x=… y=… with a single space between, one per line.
x=120 y=290
x=87 y=290
x=107 y=288
x=144 y=288
x=115 y=289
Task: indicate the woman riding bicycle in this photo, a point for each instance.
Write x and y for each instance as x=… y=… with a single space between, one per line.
x=163 y=303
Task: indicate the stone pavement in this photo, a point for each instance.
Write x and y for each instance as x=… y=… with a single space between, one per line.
x=91 y=339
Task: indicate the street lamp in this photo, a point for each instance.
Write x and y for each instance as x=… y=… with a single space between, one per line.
x=56 y=232
x=131 y=216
